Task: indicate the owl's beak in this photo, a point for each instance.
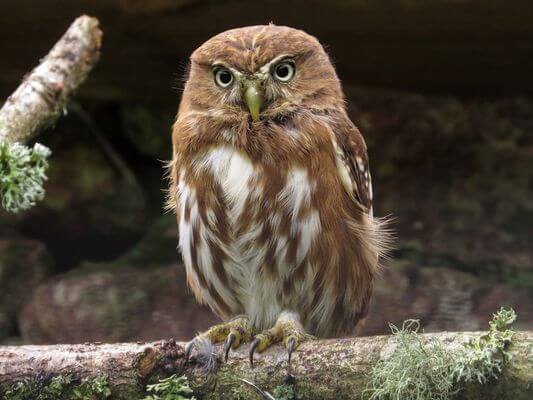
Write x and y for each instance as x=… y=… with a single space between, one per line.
x=253 y=97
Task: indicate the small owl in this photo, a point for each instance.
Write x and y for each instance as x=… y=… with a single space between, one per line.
x=272 y=191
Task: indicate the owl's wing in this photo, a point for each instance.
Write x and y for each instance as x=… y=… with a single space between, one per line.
x=352 y=162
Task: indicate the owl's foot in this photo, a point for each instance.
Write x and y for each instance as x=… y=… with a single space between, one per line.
x=232 y=333
x=287 y=329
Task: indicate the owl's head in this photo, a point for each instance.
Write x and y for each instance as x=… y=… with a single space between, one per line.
x=262 y=70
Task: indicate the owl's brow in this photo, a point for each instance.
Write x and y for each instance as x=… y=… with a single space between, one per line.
x=217 y=63
x=220 y=63
x=202 y=64
x=266 y=67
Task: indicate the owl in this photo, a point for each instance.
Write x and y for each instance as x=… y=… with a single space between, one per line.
x=272 y=190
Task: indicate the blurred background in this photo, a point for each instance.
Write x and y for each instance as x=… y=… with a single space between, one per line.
x=442 y=90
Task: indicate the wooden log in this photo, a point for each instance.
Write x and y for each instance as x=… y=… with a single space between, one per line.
x=325 y=369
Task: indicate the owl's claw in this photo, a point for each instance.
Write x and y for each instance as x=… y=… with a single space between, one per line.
x=228 y=344
x=287 y=330
x=253 y=346
x=263 y=341
x=232 y=333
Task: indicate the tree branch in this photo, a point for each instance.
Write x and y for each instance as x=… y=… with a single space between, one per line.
x=36 y=104
x=42 y=96
x=326 y=369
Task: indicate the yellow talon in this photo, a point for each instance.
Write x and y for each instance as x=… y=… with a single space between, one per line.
x=264 y=341
x=233 y=333
x=287 y=329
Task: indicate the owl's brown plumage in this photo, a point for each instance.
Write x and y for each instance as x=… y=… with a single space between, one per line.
x=274 y=205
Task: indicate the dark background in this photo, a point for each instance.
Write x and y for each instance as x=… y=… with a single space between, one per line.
x=440 y=88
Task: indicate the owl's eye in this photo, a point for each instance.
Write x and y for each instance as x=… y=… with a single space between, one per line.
x=223 y=77
x=284 y=71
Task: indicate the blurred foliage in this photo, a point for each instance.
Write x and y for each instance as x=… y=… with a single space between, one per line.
x=91 y=210
x=490 y=270
x=24 y=265
x=421 y=369
x=455 y=172
x=148 y=128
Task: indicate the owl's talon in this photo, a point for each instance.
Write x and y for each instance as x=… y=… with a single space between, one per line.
x=188 y=350
x=228 y=345
x=287 y=330
x=291 y=345
x=253 y=346
x=232 y=333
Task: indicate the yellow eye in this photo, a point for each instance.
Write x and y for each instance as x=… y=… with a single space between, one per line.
x=223 y=77
x=284 y=71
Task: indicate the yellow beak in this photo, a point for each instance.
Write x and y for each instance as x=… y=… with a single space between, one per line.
x=253 y=97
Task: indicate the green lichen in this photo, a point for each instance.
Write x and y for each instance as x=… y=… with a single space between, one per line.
x=285 y=392
x=22 y=175
x=172 y=388
x=93 y=389
x=422 y=369
x=60 y=387
x=483 y=357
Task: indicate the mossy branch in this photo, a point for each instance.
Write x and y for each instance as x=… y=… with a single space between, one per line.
x=59 y=387
x=37 y=103
x=325 y=369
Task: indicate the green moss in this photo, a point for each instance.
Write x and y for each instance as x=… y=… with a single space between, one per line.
x=285 y=392
x=419 y=369
x=22 y=175
x=59 y=387
x=96 y=388
x=172 y=388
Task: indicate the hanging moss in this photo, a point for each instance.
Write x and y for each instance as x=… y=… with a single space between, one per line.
x=420 y=369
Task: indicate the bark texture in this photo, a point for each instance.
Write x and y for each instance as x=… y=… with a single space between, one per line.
x=327 y=369
x=42 y=96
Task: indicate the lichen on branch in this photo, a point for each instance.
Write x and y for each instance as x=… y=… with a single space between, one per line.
x=37 y=103
x=22 y=175
x=427 y=369
x=60 y=387
x=482 y=358
x=320 y=370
